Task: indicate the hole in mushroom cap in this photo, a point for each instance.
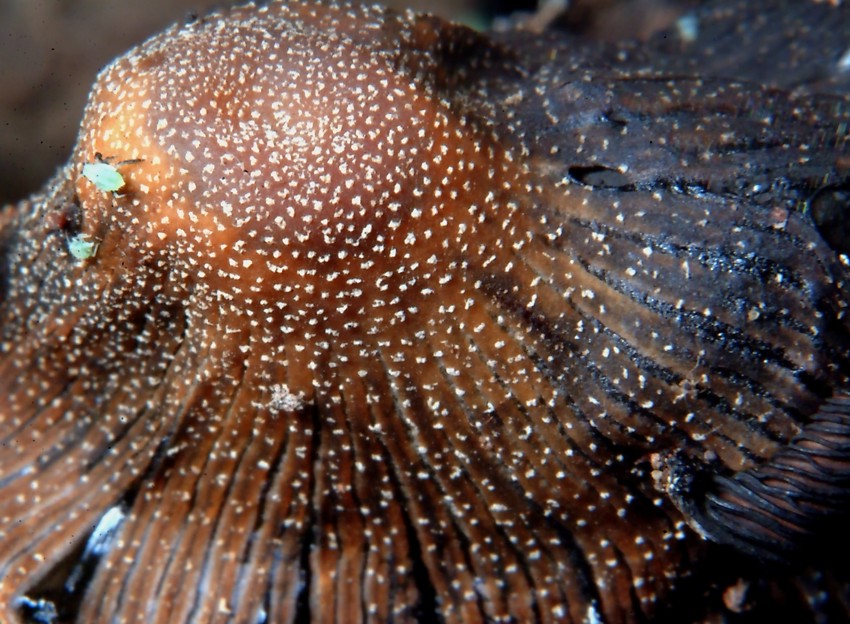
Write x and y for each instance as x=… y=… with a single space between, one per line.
x=600 y=176
x=829 y=210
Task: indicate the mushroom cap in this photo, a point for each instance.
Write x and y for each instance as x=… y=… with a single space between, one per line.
x=296 y=154
x=357 y=340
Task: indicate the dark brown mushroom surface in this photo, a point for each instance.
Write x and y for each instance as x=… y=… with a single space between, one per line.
x=340 y=314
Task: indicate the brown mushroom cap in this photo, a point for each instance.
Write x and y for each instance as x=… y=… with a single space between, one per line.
x=291 y=155
x=354 y=345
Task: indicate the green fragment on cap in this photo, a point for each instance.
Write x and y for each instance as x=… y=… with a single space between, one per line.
x=81 y=247
x=104 y=176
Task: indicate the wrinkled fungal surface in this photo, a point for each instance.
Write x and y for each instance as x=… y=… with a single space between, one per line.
x=393 y=321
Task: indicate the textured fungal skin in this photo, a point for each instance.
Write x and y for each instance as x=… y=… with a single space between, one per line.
x=382 y=328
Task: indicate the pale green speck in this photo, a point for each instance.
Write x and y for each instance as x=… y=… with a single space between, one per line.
x=81 y=247
x=104 y=176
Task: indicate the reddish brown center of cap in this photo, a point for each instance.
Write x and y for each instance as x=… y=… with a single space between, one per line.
x=280 y=155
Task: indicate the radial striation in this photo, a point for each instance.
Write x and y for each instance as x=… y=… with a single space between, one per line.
x=379 y=320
